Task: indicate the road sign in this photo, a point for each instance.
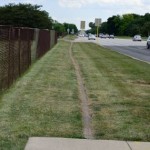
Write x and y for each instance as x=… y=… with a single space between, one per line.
x=98 y=22
x=82 y=25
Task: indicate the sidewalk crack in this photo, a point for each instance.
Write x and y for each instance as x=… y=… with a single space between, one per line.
x=128 y=145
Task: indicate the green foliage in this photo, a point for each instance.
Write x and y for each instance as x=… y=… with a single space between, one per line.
x=125 y=25
x=62 y=28
x=93 y=29
x=146 y=28
x=70 y=27
x=111 y=25
x=59 y=28
x=91 y=24
x=25 y=15
x=103 y=27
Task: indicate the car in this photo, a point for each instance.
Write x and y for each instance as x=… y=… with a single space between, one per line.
x=103 y=36
x=81 y=35
x=148 y=42
x=85 y=35
x=111 y=36
x=107 y=35
x=137 y=38
x=100 y=35
x=91 y=37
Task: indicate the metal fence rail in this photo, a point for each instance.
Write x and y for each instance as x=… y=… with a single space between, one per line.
x=19 y=48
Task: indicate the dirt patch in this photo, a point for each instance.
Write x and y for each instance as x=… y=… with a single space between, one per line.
x=140 y=82
x=87 y=131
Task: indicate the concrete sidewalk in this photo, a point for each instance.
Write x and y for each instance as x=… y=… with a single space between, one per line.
x=37 y=143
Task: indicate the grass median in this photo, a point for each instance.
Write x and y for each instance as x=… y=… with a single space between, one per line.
x=43 y=103
x=70 y=37
x=119 y=93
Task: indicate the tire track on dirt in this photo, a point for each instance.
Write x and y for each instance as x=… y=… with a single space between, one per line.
x=87 y=131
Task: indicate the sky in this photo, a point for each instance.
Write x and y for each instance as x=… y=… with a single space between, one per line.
x=75 y=11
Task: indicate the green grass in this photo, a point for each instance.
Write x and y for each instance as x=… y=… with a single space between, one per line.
x=119 y=93
x=43 y=103
x=124 y=37
x=128 y=37
x=70 y=37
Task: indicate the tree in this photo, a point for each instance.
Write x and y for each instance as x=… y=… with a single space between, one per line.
x=146 y=29
x=127 y=24
x=147 y=17
x=111 y=25
x=133 y=29
x=103 y=28
x=92 y=25
x=25 y=15
x=59 y=28
x=117 y=24
x=70 y=27
x=93 y=28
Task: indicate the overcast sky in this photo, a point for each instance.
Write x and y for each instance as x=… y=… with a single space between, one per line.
x=73 y=11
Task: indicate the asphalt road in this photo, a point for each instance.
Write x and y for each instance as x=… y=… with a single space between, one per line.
x=135 y=49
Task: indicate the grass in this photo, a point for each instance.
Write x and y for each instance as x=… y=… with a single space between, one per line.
x=128 y=37
x=70 y=37
x=43 y=103
x=119 y=93
x=124 y=37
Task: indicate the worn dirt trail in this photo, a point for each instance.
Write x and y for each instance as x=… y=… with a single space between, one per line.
x=87 y=131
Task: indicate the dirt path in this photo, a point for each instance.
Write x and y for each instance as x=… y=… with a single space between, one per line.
x=87 y=131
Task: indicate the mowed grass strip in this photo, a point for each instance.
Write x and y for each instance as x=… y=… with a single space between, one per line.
x=119 y=93
x=43 y=103
x=70 y=37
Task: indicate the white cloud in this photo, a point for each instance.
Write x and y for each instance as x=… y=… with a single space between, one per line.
x=70 y=3
x=80 y=3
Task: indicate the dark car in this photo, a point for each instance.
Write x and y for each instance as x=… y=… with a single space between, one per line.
x=148 y=42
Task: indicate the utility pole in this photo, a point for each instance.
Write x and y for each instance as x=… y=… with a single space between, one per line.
x=68 y=30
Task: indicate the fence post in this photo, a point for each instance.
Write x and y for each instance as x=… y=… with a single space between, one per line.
x=34 y=45
x=19 y=65
x=9 y=60
x=29 y=48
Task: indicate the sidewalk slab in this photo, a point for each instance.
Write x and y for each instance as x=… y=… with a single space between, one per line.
x=139 y=145
x=36 y=143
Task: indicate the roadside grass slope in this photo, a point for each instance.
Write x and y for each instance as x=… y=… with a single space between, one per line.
x=119 y=92
x=43 y=103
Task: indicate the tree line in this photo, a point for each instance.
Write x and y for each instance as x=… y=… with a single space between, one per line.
x=27 y=15
x=125 y=25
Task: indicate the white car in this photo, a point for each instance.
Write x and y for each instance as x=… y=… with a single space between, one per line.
x=91 y=37
x=81 y=35
x=104 y=36
x=111 y=36
x=137 y=38
x=148 y=42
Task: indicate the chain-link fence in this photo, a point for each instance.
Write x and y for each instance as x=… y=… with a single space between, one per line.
x=19 y=48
